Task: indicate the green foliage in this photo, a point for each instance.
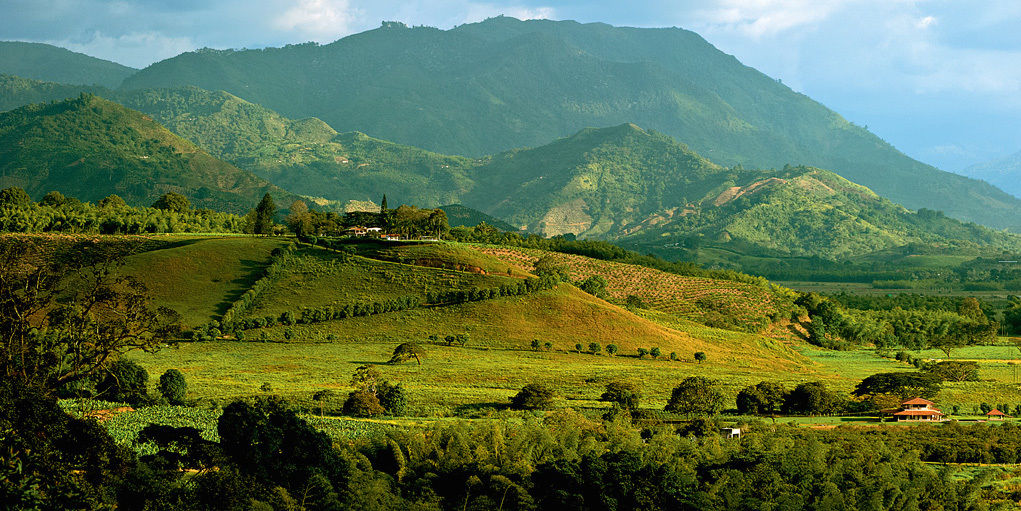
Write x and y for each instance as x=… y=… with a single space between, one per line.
x=595 y=348
x=594 y=285
x=764 y=398
x=642 y=352
x=611 y=349
x=171 y=201
x=407 y=351
x=393 y=398
x=696 y=395
x=534 y=396
x=953 y=370
x=811 y=398
x=902 y=384
x=45 y=62
x=125 y=381
x=655 y=352
x=173 y=386
x=623 y=393
x=361 y=403
x=700 y=356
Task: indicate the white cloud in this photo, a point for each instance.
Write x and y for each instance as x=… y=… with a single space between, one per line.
x=320 y=20
x=926 y=22
x=758 y=18
x=135 y=49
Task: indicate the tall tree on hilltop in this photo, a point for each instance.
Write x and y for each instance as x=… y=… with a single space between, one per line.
x=264 y=213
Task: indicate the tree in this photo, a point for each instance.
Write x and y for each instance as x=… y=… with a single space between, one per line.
x=408 y=351
x=66 y=315
x=53 y=198
x=595 y=348
x=321 y=397
x=810 y=398
x=954 y=370
x=14 y=197
x=264 y=213
x=173 y=386
x=642 y=352
x=171 y=201
x=535 y=345
x=382 y=206
x=534 y=396
x=125 y=381
x=700 y=356
x=392 y=398
x=902 y=384
x=696 y=395
x=595 y=285
x=361 y=403
x=655 y=352
x=611 y=349
x=300 y=221
x=764 y=398
x=624 y=394
x=112 y=201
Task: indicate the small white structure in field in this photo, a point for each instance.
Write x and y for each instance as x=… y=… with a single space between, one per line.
x=730 y=432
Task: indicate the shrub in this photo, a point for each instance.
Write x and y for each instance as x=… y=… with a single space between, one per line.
x=173 y=386
x=362 y=403
x=700 y=356
x=266 y=387
x=673 y=355
x=655 y=352
x=611 y=349
x=548 y=346
x=534 y=396
x=535 y=344
x=595 y=348
x=642 y=352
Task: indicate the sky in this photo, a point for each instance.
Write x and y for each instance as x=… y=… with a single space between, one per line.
x=939 y=79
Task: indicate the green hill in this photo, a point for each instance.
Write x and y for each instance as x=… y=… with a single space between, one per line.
x=503 y=83
x=89 y=147
x=54 y=64
x=1004 y=173
x=16 y=91
x=807 y=212
x=459 y=215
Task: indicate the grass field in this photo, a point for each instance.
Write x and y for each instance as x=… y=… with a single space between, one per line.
x=200 y=277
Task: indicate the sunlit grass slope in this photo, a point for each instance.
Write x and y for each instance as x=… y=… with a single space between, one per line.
x=201 y=277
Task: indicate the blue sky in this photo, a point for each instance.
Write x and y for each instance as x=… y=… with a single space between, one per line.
x=939 y=79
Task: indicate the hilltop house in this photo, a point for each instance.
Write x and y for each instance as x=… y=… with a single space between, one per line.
x=918 y=410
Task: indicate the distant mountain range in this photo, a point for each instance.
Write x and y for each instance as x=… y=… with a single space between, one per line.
x=506 y=83
x=1004 y=173
x=53 y=64
x=89 y=148
x=500 y=84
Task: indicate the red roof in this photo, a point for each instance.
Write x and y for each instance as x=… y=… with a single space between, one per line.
x=918 y=401
x=919 y=412
x=994 y=411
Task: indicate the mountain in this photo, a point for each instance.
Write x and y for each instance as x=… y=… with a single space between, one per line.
x=16 y=91
x=595 y=183
x=459 y=215
x=807 y=212
x=1004 y=173
x=89 y=147
x=54 y=64
x=503 y=83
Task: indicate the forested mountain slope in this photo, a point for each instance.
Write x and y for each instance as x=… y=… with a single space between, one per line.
x=51 y=63
x=503 y=83
x=89 y=148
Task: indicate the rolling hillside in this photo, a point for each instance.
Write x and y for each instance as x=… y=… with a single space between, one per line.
x=54 y=64
x=89 y=148
x=503 y=83
x=1004 y=172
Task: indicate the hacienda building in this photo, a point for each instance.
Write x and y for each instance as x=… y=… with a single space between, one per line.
x=920 y=410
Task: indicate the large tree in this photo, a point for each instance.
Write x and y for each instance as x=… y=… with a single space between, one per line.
x=696 y=395
x=264 y=214
x=65 y=314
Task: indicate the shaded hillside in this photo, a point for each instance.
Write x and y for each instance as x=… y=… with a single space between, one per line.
x=305 y=156
x=595 y=183
x=89 y=147
x=51 y=63
x=802 y=211
x=504 y=83
x=1004 y=173
x=16 y=91
x=459 y=215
